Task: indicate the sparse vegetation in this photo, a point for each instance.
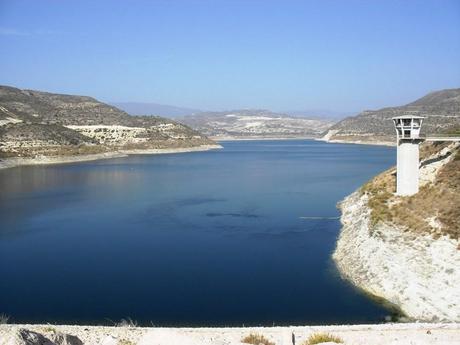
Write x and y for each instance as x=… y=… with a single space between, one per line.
x=318 y=338
x=441 y=109
x=454 y=131
x=4 y=319
x=128 y=322
x=380 y=189
x=125 y=342
x=434 y=209
x=256 y=339
x=40 y=126
x=49 y=329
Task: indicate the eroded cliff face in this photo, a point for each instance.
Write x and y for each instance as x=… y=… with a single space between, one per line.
x=417 y=270
x=418 y=274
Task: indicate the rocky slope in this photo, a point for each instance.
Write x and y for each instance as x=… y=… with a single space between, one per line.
x=406 y=250
x=40 y=123
x=254 y=124
x=441 y=109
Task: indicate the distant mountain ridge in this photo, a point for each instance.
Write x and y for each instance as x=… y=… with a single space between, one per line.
x=323 y=114
x=141 y=108
x=441 y=110
x=42 y=123
x=253 y=124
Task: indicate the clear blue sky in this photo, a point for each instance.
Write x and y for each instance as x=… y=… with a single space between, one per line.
x=211 y=54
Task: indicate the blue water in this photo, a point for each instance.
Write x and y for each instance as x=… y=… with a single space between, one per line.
x=205 y=238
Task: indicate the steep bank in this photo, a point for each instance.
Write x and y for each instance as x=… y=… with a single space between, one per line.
x=406 y=250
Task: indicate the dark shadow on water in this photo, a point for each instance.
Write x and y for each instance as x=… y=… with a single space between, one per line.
x=197 y=201
x=236 y=215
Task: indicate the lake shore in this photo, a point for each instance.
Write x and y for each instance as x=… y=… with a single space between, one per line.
x=219 y=139
x=374 y=143
x=399 y=333
x=357 y=142
x=45 y=160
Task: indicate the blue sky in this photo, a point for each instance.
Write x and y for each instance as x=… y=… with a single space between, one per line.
x=211 y=54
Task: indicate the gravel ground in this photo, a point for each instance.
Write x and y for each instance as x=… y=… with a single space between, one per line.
x=403 y=333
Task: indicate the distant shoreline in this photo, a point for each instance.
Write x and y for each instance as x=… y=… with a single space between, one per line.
x=376 y=143
x=220 y=139
x=6 y=163
x=45 y=160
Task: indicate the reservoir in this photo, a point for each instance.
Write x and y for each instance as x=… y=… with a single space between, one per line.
x=231 y=237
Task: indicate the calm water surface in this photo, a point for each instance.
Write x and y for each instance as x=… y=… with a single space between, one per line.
x=205 y=238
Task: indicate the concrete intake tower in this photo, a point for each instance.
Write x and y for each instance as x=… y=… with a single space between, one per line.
x=407 y=166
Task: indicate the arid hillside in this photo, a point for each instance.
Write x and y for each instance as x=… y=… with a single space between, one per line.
x=254 y=123
x=441 y=109
x=41 y=123
x=435 y=208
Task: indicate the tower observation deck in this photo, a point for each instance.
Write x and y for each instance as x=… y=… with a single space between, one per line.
x=407 y=167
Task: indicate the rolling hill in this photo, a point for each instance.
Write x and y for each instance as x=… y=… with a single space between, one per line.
x=41 y=123
x=254 y=124
x=441 y=109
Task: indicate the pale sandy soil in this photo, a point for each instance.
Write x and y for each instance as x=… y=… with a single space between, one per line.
x=18 y=161
x=392 y=334
x=358 y=142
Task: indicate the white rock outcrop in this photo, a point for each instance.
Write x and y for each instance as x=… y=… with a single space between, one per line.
x=417 y=273
x=430 y=167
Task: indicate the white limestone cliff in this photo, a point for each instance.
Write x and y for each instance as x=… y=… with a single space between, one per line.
x=417 y=273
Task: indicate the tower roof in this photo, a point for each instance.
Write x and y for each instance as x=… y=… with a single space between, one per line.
x=408 y=117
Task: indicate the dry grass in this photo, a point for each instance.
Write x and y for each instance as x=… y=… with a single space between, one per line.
x=380 y=189
x=128 y=322
x=4 y=319
x=428 y=149
x=256 y=339
x=434 y=201
x=49 y=329
x=440 y=200
x=319 y=338
x=125 y=342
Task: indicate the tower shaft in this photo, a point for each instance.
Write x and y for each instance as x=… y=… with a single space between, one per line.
x=407 y=175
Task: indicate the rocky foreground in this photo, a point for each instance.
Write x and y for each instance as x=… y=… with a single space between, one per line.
x=401 y=334
x=40 y=126
x=406 y=250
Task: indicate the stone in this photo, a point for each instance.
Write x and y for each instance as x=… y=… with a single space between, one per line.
x=65 y=339
x=109 y=340
x=25 y=337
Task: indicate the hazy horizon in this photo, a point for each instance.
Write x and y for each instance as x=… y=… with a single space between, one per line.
x=213 y=55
